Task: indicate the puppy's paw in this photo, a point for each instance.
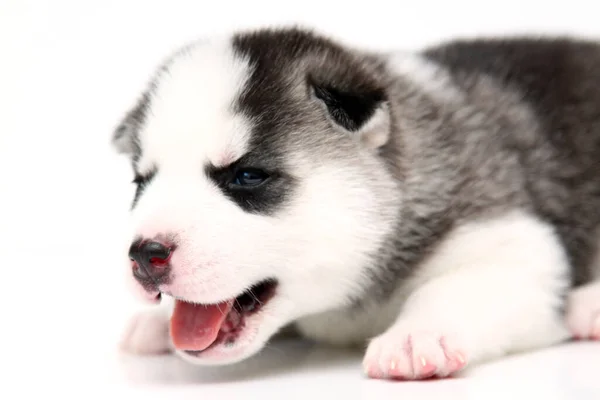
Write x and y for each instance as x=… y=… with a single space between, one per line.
x=147 y=334
x=583 y=312
x=408 y=354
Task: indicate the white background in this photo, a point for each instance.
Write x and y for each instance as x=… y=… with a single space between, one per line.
x=68 y=71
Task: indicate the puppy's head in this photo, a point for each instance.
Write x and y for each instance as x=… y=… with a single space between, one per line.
x=260 y=195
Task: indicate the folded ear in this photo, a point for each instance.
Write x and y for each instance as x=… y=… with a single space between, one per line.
x=125 y=135
x=360 y=110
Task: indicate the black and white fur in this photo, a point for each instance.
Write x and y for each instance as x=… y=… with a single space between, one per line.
x=441 y=207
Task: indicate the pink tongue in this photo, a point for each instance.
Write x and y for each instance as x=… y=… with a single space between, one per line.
x=194 y=327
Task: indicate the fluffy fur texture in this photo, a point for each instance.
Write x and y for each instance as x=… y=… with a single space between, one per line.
x=442 y=206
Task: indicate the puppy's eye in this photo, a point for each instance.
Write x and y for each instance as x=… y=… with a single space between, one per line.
x=249 y=177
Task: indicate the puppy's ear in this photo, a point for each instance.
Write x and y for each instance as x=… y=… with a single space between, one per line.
x=361 y=110
x=125 y=135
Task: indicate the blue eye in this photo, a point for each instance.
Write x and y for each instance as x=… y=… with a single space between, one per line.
x=249 y=177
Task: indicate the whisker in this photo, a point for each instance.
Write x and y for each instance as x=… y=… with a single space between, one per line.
x=219 y=308
x=238 y=303
x=254 y=297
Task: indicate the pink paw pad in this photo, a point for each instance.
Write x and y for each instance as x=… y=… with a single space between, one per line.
x=426 y=368
x=394 y=355
x=583 y=312
x=456 y=362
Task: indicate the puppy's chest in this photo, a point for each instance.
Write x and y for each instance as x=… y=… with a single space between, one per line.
x=345 y=327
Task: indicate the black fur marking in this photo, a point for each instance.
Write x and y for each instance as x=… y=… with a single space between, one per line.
x=141 y=182
x=266 y=198
x=285 y=62
x=348 y=109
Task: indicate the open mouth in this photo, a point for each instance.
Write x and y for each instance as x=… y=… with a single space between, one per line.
x=198 y=327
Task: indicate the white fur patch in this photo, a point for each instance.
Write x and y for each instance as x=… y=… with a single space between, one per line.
x=191 y=119
x=493 y=287
x=426 y=75
x=583 y=311
x=376 y=131
x=147 y=333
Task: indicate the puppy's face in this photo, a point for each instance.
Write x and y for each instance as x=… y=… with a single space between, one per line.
x=260 y=197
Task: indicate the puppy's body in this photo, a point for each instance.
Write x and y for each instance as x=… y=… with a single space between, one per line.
x=440 y=206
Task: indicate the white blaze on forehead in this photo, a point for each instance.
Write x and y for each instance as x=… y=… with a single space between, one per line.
x=191 y=119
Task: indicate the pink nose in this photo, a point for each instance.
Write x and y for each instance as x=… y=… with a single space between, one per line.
x=150 y=261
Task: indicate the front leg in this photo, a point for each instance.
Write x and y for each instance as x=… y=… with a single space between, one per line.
x=148 y=331
x=491 y=288
x=583 y=311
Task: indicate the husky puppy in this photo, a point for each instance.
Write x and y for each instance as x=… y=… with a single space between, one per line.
x=441 y=208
